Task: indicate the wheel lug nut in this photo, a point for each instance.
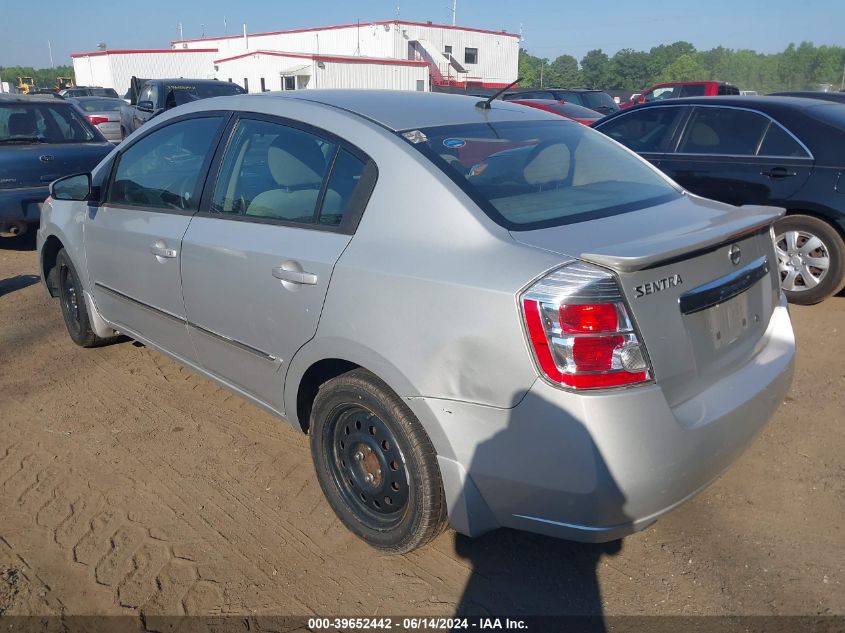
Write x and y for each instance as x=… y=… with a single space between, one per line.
x=368 y=478
x=359 y=456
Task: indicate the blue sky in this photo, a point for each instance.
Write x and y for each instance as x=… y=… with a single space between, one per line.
x=550 y=27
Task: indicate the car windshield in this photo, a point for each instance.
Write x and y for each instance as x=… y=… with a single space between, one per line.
x=595 y=100
x=528 y=175
x=101 y=105
x=179 y=94
x=43 y=123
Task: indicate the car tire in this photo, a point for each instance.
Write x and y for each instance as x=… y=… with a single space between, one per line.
x=375 y=464
x=793 y=236
x=74 y=308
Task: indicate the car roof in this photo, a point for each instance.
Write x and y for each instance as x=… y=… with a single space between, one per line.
x=187 y=80
x=400 y=109
x=45 y=98
x=754 y=102
x=95 y=98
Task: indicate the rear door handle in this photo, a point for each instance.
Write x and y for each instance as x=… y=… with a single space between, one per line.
x=159 y=249
x=778 y=172
x=295 y=276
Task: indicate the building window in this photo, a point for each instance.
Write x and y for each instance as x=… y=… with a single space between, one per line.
x=246 y=84
x=420 y=85
x=470 y=55
x=289 y=83
x=447 y=51
x=263 y=87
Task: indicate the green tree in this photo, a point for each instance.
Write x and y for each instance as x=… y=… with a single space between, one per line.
x=562 y=73
x=595 y=69
x=684 y=68
x=629 y=70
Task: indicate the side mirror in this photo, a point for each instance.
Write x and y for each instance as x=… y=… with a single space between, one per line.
x=145 y=106
x=76 y=187
x=641 y=99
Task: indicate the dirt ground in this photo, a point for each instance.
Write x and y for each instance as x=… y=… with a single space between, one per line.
x=129 y=485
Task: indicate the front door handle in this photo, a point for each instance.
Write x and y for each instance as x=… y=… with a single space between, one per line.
x=778 y=173
x=295 y=276
x=159 y=249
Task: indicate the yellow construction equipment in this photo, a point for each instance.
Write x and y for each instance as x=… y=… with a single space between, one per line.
x=63 y=83
x=26 y=85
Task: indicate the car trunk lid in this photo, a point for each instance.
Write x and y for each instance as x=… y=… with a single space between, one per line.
x=700 y=279
x=38 y=164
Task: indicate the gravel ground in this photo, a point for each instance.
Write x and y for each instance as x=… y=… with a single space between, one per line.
x=129 y=485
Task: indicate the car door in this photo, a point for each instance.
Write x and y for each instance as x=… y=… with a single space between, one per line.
x=150 y=93
x=133 y=239
x=738 y=156
x=647 y=131
x=257 y=259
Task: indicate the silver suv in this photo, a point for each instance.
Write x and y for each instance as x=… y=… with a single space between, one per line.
x=479 y=312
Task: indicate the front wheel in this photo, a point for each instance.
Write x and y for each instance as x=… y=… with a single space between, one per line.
x=74 y=308
x=375 y=464
x=811 y=259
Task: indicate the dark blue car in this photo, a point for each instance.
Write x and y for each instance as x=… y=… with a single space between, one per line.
x=41 y=139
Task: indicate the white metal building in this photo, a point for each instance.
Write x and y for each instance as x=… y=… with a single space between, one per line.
x=261 y=71
x=114 y=69
x=393 y=54
x=456 y=56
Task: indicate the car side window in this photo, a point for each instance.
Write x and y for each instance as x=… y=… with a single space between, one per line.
x=724 y=131
x=695 y=90
x=643 y=130
x=347 y=188
x=778 y=142
x=273 y=171
x=164 y=168
x=658 y=94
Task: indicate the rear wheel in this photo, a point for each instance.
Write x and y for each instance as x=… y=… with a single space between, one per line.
x=74 y=308
x=375 y=464
x=811 y=259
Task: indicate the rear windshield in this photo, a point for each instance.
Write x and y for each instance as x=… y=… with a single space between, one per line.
x=43 y=123
x=101 y=105
x=574 y=111
x=596 y=100
x=533 y=174
x=179 y=94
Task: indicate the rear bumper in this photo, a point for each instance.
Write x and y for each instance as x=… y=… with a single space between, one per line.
x=598 y=467
x=22 y=205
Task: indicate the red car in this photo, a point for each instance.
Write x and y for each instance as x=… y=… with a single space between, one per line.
x=562 y=108
x=678 y=89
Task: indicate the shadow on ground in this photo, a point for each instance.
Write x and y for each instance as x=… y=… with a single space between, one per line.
x=19 y=282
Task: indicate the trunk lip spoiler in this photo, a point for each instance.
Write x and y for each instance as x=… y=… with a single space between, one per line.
x=692 y=244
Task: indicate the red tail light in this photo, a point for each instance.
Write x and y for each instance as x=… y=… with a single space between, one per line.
x=580 y=332
x=96 y=120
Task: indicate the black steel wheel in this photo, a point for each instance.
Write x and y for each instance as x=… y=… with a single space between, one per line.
x=367 y=465
x=376 y=466
x=74 y=309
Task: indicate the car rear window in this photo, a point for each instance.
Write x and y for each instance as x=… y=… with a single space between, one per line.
x=101 y=105
x=179 y=94
x=594 y=100
x=43 y=123
x=534 y=174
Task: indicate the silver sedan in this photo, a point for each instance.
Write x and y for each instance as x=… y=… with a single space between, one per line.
x=481 y=313
x=103 y=113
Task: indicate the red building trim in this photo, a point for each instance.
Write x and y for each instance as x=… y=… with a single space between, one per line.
x=349 y=26
x=330 y=58
x=149 y=50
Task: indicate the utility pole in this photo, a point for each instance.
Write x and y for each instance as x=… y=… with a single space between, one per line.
x=50 y=48
x=842 y=85
x=454 y=11
x=542 y=67
x=181 y=35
